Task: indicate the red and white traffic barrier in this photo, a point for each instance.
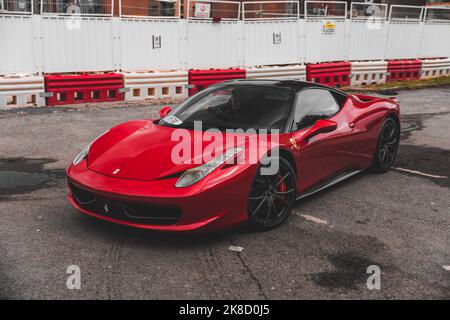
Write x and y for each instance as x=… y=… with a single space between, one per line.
x=156 y=85
x=202 y=79
x=294 y=72
x=83 y=88
x=329 y=73
x=432 y=68
x=30 y=90
x=404 y=70
x=368 y=72
x=22 y=91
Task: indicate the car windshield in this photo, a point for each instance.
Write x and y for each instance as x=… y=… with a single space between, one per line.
x=235 y=106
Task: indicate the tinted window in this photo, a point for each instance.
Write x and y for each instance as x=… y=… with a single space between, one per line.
x=312 y=105
x=235 y=106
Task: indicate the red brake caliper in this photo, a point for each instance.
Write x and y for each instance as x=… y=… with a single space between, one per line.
x=282 y=187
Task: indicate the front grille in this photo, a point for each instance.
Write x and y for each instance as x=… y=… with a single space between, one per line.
x=125 y=211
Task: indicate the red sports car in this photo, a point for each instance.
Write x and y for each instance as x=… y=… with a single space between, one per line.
x=285 y=140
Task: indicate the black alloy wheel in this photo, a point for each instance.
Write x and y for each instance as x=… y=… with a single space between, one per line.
x=387 y=146
x=272 y=196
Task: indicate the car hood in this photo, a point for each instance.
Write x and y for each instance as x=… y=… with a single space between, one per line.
x=142 y=150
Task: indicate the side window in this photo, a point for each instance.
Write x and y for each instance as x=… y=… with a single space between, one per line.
x=312 y=105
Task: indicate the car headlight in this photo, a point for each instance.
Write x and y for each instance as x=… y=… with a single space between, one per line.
x=194 y=175
x=84 y=153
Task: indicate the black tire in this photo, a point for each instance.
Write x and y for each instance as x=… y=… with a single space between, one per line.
x=387 y=146
x=271 y=197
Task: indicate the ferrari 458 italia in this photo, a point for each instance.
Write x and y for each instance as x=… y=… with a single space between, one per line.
x=305 y=136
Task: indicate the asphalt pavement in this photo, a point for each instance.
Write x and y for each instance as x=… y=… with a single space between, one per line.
x=398 y=221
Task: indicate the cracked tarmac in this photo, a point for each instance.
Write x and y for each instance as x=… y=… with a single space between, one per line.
x=398 y=221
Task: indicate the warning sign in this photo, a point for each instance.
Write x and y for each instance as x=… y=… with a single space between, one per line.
x=328 y=27
x=202 y=10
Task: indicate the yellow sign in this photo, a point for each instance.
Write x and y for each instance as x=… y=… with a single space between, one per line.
x=328 y=27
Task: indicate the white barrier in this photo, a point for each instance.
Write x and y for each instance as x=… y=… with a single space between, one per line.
x=22 y=91
x=149 y=44
x=272 y=42
x=16 y=44
x=324 y=46
x=295 y=72
x=404 y=40
x=368 y=72
x=435 y=68
x=213 y=45
x=77 y=45
x=50 y=43
x=156 y=85
x=435 y=40
x=366 y=43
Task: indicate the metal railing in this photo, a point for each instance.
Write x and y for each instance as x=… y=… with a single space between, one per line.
x=213 y=10
x=270 y=10
x=437 y=14
x=405 y=13
x=367 y=10
x=218 y=10
x=154 y=9
x=16 y=6
x=326 y=9
x=77 y=7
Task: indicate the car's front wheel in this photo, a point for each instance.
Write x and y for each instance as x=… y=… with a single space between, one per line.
x=387 y=146
x=272 y=196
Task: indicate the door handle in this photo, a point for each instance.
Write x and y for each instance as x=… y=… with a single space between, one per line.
x=351 y=125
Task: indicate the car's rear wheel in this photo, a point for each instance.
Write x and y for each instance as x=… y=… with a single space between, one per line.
x=387 y=146
x=272 y=196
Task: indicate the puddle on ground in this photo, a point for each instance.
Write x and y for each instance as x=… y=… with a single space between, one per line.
x=14 y=180
x=22 y=175
x=411 y=123
x=429 y=160
x=350 y=272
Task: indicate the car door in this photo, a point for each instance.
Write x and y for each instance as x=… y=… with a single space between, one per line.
x=325 y=155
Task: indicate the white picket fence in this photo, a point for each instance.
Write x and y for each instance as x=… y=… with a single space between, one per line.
x=48 y=44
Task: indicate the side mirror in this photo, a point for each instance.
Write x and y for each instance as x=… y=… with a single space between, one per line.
x=164 y=111
x=321 y=126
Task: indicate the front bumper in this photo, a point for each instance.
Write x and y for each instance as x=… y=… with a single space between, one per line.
x=211 y=206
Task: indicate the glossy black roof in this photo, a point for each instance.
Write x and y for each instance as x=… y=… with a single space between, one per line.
x=295 y=85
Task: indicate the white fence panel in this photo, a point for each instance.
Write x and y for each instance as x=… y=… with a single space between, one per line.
x=34 y=44
x=367 y=41
x=403 y=40
x=272 y=42
x=77 y=44
x=435 y=40
x=16 y=44
x=149 y=44
x=214 y=45
x=325 y=46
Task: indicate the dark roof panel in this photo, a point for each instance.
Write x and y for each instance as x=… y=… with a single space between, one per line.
x=295 y=85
